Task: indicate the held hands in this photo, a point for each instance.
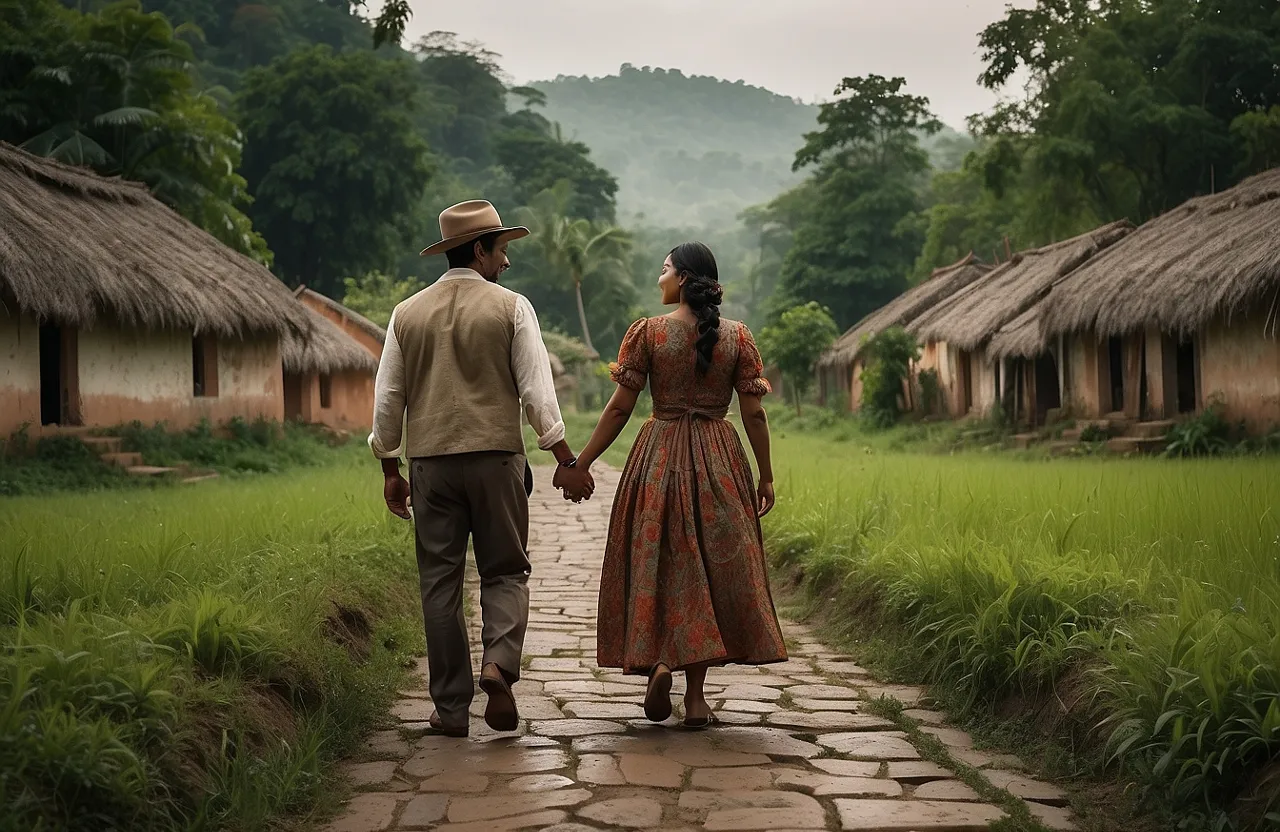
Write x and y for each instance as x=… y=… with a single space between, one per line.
x=576 y=482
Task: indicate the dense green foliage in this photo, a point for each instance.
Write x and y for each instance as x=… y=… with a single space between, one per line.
x=1143 y=595
x=195 y=658
x=335 y=161
x=800 y=336
x=1131 y=108
x=851 y=250
x=116 y=91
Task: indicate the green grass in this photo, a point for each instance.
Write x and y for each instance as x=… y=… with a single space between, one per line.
x=1150 y=590
x=239 y=448
x=193 y=657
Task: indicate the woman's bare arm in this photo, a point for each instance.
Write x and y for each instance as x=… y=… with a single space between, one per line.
x=756 y=423
x=614 y=418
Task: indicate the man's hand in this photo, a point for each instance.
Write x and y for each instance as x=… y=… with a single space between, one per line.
x=577 y=483
x=395 y=490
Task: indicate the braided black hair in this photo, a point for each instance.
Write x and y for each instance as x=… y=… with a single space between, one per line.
x=697 y=265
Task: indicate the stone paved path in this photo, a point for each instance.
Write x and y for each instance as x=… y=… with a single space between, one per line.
x=796 y=748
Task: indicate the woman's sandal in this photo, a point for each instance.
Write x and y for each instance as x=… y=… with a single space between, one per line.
x=699 y=723
x=657 y=697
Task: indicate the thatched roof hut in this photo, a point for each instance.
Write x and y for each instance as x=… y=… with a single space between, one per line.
x=940 y=285
x=974 y=314
x=76 y=247
x=1213 y=255
x=329 y=350
x=362 y=323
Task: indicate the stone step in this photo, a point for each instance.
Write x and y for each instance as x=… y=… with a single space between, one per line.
x=1022 y=441
x=150 y=471
x=124 y=460
x=199 y=476
x=104 y=444
x=1063 y=447
x=1108 y=426
x=1132 y=445
x=1150 y=430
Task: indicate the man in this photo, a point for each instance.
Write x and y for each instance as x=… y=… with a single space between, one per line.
x=460 y=360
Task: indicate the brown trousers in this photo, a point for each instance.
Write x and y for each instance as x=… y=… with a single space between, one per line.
x=480 y=496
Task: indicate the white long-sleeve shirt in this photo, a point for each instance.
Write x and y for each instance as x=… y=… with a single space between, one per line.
x=529 y=363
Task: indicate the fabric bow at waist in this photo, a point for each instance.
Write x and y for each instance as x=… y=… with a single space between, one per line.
x=675 y=414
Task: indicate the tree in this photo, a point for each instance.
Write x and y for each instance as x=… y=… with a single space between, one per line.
x=1131 y=107
x=578 y=251
x=115 y=91
x=376 y=294
x=334 y=161
x=801 y=335
x=852 y=250
x=537 y=161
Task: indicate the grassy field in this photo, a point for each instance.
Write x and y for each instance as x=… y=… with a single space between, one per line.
x=1143 y=596
x=190 y=657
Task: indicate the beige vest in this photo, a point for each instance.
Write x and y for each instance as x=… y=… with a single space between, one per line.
x=460 y=393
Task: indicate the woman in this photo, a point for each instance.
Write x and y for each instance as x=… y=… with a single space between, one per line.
x=684 y=585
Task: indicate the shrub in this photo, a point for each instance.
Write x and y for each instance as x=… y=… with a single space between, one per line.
x=889 y=356
x=1206 y=434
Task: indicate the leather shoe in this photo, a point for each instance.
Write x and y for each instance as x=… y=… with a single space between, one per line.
x=437 y=724
x=501 y=713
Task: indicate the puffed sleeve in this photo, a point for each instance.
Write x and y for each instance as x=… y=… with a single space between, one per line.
x=631 y=370
x=748 y=378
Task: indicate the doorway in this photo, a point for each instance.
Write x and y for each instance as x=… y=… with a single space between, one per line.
x=292 y=397
x=1048 y=396
x=59 y=388
x=965 y=363
x=1115 y=362
x=1185 y=366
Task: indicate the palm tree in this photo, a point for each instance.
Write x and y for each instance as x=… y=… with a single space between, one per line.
x=578 y=249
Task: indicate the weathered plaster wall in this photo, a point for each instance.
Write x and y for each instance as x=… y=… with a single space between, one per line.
x=1240 y=362
x=127 y=375
x=19 y=372
x=350 y=400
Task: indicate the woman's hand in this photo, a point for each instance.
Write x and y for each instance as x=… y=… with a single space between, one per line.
x=764 y=499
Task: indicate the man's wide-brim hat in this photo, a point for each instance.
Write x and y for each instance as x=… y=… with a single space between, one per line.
x=468 y=221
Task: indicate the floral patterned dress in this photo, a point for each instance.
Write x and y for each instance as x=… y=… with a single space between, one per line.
x=684 y=579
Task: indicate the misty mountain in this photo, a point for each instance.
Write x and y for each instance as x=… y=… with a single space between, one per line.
x=692 y=150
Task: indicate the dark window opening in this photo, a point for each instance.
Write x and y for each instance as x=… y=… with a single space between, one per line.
x=1186 y=372
x=197 y=365
x=1115 y=355
x=326 y=392
x=52 y=382
x=204 y=366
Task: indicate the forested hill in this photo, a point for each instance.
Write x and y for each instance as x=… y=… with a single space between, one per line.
x=688 y=150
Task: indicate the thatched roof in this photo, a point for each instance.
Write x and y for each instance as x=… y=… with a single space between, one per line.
x=1021 y=337
x=1212 y=255
x=328 y=350
x=973 y=315
x=903 y=309
x=373 y=330
x=76 y=247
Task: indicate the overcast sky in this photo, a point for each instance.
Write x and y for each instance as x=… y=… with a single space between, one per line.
x=800 y=48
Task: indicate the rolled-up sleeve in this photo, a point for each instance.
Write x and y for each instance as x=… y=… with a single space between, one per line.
x=534 y=380
x=387 y=439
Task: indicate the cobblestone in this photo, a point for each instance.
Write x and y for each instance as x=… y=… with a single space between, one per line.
x=585 y=759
